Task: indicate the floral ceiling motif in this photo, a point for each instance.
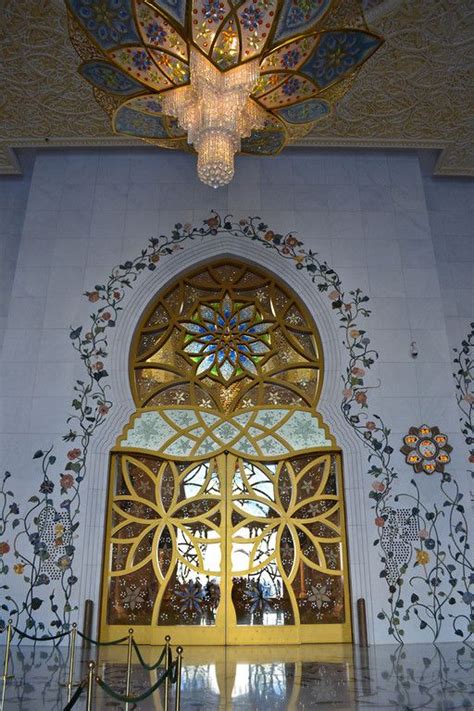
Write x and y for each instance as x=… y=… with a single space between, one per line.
x=304 y=50
x=414 y=94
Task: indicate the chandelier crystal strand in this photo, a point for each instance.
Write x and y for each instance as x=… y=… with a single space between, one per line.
x=216 y=112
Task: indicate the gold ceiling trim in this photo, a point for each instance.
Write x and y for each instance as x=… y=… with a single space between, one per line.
x=448 y=163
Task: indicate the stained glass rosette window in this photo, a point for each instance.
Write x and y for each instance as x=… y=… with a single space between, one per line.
x=285 y=64
x=227 y=339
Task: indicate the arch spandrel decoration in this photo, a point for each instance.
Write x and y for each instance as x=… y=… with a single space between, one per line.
x=225 y=501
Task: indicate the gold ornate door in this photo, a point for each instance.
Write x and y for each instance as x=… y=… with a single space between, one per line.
x=225 y=511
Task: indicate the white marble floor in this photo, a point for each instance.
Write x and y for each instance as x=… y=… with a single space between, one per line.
x=332 y=677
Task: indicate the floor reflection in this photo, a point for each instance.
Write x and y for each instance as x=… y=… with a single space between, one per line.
x=336 y=677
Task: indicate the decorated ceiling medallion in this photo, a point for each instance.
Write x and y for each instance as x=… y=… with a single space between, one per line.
x=426 y=449
x=230 y=75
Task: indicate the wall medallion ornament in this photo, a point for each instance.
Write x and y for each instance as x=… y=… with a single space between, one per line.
x=426 y=449
x=224 y=77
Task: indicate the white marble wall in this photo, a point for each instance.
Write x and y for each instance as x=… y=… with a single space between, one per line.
x=450 y=205
x=13 y=200
x=364 y=212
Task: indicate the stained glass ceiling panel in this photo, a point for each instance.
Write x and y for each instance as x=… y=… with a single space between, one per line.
x=303 y=46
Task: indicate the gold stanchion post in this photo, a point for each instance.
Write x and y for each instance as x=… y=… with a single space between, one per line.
x=90 y=685
x=2 y=698
x=362 y=619
x=129 y=667
x=179 y=667
x=72 y=658
x=167 y=679
x=87 y=624
x=5 y=676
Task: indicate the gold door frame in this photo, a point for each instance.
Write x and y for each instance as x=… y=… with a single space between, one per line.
x=173 y=393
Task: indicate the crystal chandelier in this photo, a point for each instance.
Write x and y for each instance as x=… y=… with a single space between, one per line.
x=219 y=76
x=216 y=112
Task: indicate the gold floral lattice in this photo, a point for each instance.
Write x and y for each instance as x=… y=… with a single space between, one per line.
x=287 y=562
x=168 y=542
x=165 y=535
x=226 y=337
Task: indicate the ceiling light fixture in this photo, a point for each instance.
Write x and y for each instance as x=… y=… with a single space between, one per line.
x=216 y=112
x=219 y=76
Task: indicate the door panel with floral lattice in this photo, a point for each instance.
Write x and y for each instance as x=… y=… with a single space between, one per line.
x=225 y=514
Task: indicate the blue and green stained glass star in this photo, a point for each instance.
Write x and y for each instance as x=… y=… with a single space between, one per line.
x=227 y=339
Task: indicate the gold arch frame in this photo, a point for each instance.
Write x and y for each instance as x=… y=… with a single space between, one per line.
x=257 y=510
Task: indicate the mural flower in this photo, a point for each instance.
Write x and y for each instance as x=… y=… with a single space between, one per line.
x=46 y=487
x=227 y=339
x=191 y=597
x=422 y=557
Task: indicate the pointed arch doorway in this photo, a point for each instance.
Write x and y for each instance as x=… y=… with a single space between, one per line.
x=225 y=518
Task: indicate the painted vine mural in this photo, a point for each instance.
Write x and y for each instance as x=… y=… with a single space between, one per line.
x=424 y=552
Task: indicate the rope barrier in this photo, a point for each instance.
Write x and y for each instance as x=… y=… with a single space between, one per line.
x=102 y=644
x=149 y=667
x=171 y=673
x=75 y=696
x=135 y=699
x=45 y=638
x=175 y=672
